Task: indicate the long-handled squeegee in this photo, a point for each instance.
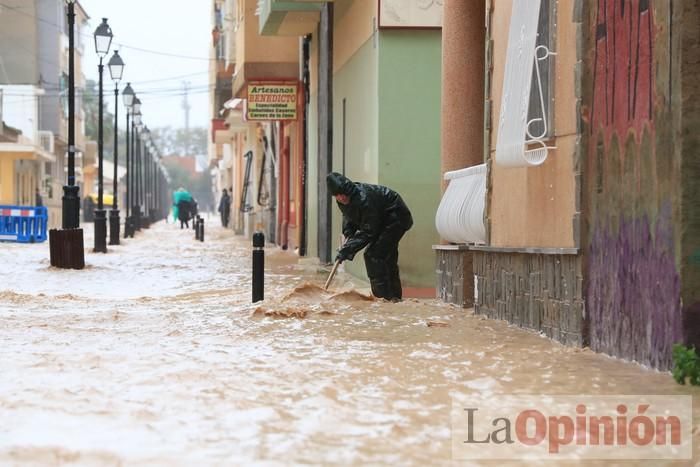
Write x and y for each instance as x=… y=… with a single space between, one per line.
x=332 y=274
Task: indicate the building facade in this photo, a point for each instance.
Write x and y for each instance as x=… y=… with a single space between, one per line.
x=589 y=212
x=368 y=106
x=547 y=149
x=34 y=81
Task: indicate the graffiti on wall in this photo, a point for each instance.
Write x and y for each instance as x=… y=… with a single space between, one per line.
x=633 y=290
x=622 y=67
x=633 y=283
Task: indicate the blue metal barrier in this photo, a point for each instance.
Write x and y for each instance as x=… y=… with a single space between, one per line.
x=23 y=224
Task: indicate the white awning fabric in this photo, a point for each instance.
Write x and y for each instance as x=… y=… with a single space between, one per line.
x=460 y=216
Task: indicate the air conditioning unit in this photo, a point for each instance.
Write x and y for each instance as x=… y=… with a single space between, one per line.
x=46 y=141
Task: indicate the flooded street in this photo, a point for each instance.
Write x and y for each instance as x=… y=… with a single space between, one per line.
x=154 y=355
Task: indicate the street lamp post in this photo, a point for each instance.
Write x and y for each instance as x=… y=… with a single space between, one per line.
x=151 y=178
x=154 y=184
x=135 y=115
x=103 y=40
x=128 y=97
x=146 y=163
x=146 y=158
x=116 y=69
x=136 y=155
x=66 y=245
x=146 y=174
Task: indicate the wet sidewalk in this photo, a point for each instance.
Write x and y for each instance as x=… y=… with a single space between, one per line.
x=154 y=355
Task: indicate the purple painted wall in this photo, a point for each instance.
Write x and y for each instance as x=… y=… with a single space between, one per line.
x=633 y=289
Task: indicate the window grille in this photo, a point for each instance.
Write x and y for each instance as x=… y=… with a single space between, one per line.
x=522 y=133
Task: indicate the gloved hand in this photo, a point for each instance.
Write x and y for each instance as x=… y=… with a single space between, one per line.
x=342 y=255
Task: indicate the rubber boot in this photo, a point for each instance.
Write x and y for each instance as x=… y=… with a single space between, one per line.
x=380 y=289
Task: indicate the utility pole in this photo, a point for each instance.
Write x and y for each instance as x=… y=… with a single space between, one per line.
x=186 y=107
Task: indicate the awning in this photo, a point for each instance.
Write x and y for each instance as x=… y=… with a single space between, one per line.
x=27 y=152
x=289 y=17
x=460 y=216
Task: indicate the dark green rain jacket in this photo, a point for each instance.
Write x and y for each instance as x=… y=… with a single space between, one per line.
x=372 y=210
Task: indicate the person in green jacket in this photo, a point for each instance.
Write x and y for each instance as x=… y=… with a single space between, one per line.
x=179 y=196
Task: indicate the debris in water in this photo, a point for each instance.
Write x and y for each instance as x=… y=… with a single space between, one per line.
x=438 y=324
x=286 y=312
x=327 y=313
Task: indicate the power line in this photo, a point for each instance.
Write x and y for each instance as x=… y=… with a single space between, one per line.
x=89 y=36
x=166 y=54
x=136 y=83
x=59 y=91
x=172 y=78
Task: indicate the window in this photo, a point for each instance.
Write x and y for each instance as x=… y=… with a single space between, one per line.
x=78 y=36
x=63 y=94
x=519 y=144
x=220 y=47
x=64 y=21
x=542 y=125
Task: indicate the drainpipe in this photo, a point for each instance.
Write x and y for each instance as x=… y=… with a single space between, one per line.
x=280 y=181
x=304 y=154
x=325 y=131
x=284 y=159
x=299 y=198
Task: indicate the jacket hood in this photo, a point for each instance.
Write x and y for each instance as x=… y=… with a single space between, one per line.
x=339 y=184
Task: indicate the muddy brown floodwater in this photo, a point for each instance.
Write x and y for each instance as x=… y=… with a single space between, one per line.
x=154 y=355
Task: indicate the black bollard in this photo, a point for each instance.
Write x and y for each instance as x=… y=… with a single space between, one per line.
x=201 y=229
x=195 y=226
x=258 y=266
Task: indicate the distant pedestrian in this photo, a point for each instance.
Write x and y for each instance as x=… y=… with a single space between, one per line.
x=225 y=208
x=39 y=201
x=184 y=213
x=181 y=198
x=375 y=217
x=88 y=209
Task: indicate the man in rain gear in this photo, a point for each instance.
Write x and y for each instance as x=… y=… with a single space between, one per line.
x=375 y=217
x=225 y=208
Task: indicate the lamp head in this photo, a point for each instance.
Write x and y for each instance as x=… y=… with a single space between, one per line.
x=137 y=105
x=128 y=96
x=116 y=67
x=103 y=38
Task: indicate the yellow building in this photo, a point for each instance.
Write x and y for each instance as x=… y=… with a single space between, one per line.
x=20 y=167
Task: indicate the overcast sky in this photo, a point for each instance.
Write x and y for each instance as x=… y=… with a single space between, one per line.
x=168 y=27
